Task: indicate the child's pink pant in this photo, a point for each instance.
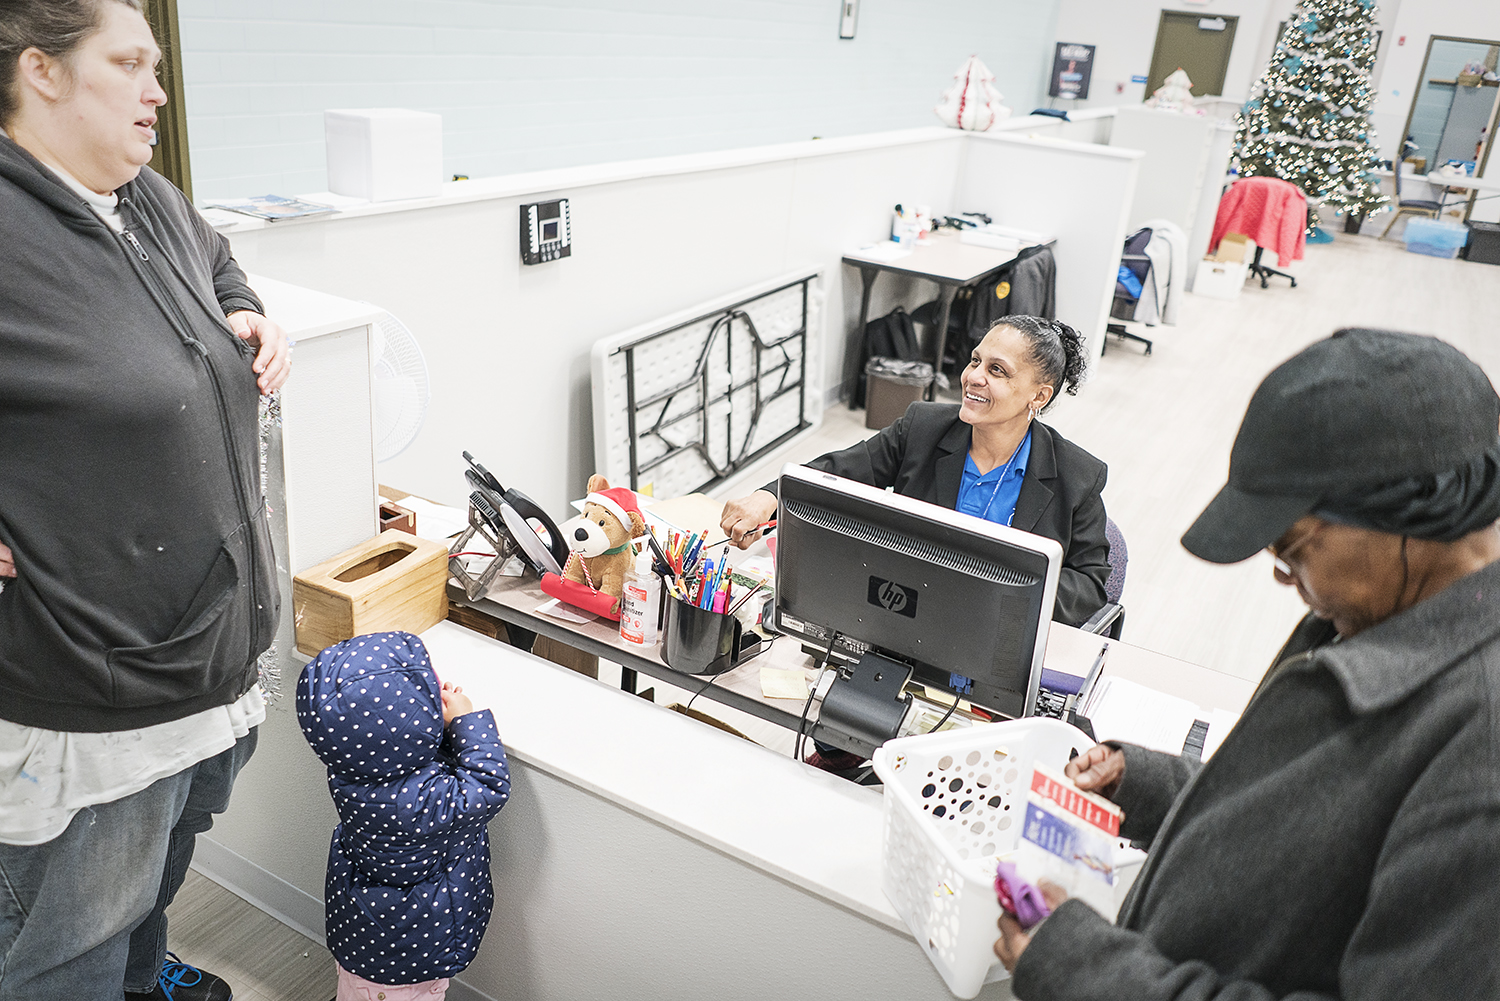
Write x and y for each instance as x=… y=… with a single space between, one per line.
x=352 y=988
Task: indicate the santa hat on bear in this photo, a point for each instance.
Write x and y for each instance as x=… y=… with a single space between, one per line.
x=618 y=501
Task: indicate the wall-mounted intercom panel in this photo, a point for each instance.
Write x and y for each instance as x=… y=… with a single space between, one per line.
x=546 y=231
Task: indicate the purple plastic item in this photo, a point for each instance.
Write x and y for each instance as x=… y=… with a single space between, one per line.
x=1019 y=898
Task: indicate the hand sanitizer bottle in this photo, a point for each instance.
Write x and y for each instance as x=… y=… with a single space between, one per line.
x=639 y=600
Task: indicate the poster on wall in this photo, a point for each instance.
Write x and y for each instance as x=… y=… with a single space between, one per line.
x=1071 y=67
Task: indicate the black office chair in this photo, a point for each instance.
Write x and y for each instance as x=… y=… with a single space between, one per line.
x=1111 y=618
x=1419 y=207
x=1133 y=259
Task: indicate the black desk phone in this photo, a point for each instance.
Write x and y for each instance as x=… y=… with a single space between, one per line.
x=511 y=514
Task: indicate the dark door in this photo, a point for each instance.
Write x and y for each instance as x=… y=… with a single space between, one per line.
x=170 y=158
x=1198 y=43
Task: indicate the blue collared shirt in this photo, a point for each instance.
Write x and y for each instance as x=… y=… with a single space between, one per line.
x=993 y=496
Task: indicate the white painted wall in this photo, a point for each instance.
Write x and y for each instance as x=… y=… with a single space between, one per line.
x=1418 y=20
x=1125 y=34
x=527 y=86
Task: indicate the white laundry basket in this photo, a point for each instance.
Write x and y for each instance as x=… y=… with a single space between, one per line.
x=953 y=802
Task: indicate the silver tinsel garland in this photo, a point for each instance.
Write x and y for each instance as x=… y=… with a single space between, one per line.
x=269 y=663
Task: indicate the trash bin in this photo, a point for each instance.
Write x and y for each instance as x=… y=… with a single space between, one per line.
x=1484 y=243
x=892 y=385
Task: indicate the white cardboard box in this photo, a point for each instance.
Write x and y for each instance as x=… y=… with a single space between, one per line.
x=1220 y=279
x=383 y=154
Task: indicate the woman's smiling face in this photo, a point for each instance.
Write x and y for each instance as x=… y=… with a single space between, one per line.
x=1000 y=383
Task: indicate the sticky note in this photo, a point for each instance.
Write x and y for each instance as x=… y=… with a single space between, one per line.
x=776 y=683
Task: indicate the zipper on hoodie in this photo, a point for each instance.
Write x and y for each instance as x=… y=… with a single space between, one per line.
x=139 y=250
x=182 y=328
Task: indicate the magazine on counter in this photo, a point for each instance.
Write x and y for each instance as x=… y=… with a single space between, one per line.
x=273 y=207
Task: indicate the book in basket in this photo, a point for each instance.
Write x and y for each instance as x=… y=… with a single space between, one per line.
x=1069 y=837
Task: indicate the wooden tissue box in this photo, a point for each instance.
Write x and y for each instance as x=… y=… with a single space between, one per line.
x=393 y=581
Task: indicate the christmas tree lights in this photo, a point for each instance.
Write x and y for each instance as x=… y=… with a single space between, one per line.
x=1308 y=117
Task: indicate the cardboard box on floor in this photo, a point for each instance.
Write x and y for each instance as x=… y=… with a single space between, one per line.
x=1221 y=275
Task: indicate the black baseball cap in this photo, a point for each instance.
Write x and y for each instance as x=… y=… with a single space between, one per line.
x=1363 y=407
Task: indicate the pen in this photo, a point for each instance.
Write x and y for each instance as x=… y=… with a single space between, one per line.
x=661 y=556
x=705 y=594
x=741 y=602
x=764 y=528
x=1088 y=682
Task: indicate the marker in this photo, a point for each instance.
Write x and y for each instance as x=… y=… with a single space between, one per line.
x=1088 y=682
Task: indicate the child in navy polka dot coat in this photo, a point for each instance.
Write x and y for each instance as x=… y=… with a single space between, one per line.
x=416 y=775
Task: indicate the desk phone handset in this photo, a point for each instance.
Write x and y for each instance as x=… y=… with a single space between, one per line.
x=517 y=519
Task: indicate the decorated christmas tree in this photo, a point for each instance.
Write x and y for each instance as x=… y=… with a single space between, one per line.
x=972 y=102
x=1308 y=117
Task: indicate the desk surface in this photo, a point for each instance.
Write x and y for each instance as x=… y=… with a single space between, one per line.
x=1462 y=181
x=942 y=259
x=516 y=599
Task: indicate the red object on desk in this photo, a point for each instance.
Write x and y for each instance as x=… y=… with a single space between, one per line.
x=1268 y=210
x=581 y=596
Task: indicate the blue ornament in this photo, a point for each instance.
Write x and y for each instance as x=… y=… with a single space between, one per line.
x=1308 y=27
x=1293 y=64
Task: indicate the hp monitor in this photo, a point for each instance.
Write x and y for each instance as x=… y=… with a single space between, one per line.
x=913 y=590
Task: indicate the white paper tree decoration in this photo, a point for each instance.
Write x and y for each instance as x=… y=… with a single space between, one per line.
x=972 y=102
x=1175 y=94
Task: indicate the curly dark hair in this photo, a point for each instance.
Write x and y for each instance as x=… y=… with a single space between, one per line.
x=55 y=27
x=1057 y=352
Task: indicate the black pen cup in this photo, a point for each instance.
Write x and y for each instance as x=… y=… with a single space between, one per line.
x=698 y=641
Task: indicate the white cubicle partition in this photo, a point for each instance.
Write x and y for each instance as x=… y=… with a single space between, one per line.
x=1182 y=172
x=1079 y=192
x=508 y=344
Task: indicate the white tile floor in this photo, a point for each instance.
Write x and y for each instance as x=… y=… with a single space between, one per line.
x=1164 y=423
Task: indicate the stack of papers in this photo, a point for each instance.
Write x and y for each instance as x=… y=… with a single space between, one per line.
x=1134 y=714
x=886 y=250
x=274 y=207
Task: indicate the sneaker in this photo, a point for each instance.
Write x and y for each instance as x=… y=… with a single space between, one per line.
x=180 y=982
x=837 y=762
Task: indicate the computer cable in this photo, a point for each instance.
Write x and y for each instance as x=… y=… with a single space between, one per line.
x=711 y=679
x=956 y=700
x=822 y=666
x=715 y=677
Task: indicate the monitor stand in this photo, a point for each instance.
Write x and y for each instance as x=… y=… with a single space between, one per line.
x=871 y=703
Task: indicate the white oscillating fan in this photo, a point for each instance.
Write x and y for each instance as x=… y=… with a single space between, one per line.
x=402 y=391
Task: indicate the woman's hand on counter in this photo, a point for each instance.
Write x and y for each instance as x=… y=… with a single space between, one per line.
x=273 y=360
x=1098 y=770
x=1013 y=938
x=742 y=518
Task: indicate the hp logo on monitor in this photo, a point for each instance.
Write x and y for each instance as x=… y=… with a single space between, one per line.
x=893 y=597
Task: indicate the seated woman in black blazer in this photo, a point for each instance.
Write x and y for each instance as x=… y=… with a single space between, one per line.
x=990 y=457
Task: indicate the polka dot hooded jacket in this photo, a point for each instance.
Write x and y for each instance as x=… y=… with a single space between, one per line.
x=408 y=888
